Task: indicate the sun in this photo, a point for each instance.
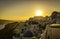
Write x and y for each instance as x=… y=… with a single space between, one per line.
x=38 y=13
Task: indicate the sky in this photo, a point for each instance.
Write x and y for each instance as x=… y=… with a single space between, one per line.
x=23 y=10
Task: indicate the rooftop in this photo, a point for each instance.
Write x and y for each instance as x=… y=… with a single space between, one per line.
x=55 y=25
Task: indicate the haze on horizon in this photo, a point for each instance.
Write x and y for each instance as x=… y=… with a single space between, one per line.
x=22 y=10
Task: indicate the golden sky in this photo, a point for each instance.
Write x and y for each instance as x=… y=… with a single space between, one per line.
x=22 y=10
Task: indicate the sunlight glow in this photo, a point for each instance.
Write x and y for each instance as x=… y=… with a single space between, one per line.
x=38 y=13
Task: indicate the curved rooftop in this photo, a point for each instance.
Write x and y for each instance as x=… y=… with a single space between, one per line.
x=55 y=25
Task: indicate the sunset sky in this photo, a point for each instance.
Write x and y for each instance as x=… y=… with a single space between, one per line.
x=22 y=10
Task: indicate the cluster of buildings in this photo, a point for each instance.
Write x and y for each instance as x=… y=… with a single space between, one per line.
x=38 y=23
